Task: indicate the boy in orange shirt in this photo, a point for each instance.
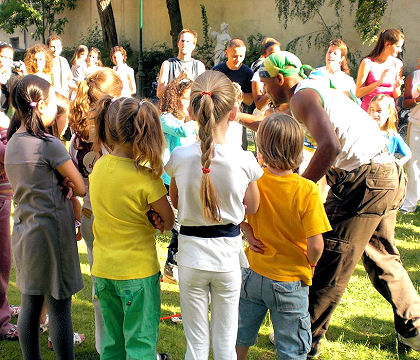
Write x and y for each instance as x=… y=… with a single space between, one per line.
x=285 y=238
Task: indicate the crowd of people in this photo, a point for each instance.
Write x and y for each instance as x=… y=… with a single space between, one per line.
x=321 y=193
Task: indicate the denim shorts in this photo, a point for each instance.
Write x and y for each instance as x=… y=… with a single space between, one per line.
x=288 y=305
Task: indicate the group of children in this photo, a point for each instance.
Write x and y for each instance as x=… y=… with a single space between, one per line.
x=117 y=157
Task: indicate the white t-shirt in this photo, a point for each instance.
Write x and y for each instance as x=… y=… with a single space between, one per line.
x=358 y=134
x=234 y=133
x=232 y=169
x=126 y=74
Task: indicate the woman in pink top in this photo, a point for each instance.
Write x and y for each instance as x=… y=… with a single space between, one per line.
x=381 y=72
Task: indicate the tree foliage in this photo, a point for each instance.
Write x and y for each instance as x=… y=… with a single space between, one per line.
x=40 y=13
x=368 y=19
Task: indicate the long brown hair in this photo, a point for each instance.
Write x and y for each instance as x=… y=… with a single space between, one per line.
x=138 y=123
x=212 y=98
x=79 y=50
x=391 y=35
x=99 y=83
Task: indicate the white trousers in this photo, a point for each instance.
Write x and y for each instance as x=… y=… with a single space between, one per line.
x=195 y=287
x=413 y=169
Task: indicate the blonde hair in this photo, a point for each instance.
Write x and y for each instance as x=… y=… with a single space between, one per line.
x=212 y=98
x=187 y=31
x=99 y=83
x=138 y=123
x=392 y=122
x=280 y=141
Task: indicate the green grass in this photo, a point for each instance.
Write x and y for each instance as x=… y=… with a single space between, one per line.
x=361 y=328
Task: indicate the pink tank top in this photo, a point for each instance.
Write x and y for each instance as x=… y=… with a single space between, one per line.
x=376 y=69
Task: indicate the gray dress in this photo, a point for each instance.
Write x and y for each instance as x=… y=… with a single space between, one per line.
x=44 y=240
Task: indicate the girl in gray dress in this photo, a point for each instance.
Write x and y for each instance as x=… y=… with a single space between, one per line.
x=44 y=239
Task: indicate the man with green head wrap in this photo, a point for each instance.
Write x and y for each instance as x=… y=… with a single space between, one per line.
x=367 y=188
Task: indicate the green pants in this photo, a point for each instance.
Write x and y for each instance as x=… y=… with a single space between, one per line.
x=131 y=312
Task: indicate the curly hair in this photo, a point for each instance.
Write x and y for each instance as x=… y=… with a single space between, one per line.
x=98 y=84
x=116 y=49
x=169 y=102
x=30 y=62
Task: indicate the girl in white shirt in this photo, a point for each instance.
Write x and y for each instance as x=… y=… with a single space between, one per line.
x=212 y=185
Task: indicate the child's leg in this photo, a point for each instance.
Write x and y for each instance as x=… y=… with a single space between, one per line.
x=194 y=295
x=140 y=299
x=5 y=265
x=288 y=303
x=28 y=324
x=87 y=234
x=61 y=327
x=112 y=344
x=252 y=311
x=225 y=289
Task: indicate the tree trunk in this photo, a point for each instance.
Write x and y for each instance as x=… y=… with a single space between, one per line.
x=176 y=22
x=106 y=15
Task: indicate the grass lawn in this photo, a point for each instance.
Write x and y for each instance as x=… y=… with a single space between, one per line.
x=361 y=328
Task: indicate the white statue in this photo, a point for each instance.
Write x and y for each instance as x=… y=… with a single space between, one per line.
x=222 y=39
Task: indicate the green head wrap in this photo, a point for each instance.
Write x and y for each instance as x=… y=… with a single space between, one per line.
x=284 y=63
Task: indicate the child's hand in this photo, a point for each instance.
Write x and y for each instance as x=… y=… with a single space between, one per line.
x=155 y=220
x=254 y=244
x=66 y=187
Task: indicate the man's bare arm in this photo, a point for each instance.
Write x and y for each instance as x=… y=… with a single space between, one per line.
x=307 y=108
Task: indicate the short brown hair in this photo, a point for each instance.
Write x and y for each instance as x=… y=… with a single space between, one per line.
x=280 y=141
x=267 y=42
x=183 y=31
x=114 y=50
x=52 y=38
x=234 y=43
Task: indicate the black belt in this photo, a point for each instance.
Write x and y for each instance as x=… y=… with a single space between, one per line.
x=214 y=231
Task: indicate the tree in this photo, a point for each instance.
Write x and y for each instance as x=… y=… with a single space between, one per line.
x=40 y=13
x=368 y=21
x=176 y=22
x=106 y=15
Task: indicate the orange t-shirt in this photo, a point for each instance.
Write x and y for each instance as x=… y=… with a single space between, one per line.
x=290 y=212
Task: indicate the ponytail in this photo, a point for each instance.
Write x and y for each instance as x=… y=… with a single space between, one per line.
x=212 y=98
x=79 y=110
x=25 y=95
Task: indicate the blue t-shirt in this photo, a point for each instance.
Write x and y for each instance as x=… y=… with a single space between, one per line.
x=396 y=144
x=242 y=76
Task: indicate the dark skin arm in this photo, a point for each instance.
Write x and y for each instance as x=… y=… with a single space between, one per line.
x=307 y=108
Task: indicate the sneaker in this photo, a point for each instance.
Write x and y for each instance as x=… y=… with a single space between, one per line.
x=43 y=327
x=413 y=342
x=78 y=338
x=315 y=350
x=12 y=334
x=271 y=338
x=170 y=273
x=14 y=310
x=162 y=356
x=176 y=319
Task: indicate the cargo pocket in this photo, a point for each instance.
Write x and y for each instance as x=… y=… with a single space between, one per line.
x=331 y=262
x=379 y=195
x=304 y=333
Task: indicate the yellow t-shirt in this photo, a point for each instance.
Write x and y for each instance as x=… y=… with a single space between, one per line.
x=290 y=211
x=124 y=246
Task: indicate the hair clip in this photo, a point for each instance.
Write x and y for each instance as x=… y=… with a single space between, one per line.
x=33 y=104
x=206 y=93
x=205 y=170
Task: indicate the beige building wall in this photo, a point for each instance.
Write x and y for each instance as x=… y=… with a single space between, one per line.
x=244 y=17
